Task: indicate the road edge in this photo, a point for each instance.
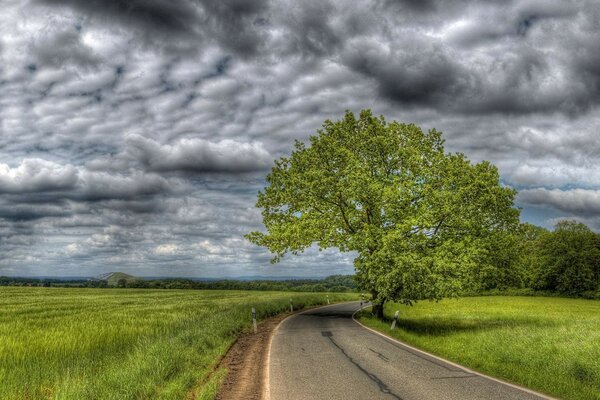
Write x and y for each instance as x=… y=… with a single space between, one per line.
x=522 y=388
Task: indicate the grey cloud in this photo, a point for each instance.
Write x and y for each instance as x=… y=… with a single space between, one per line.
x=514 y=23
x=421 y=72
x=416 y=72
x=63 y=47
x=199 y=155
x=31 y=212
x=68 y=181
x=100 y=185
x=111 y=241
x=581 y=202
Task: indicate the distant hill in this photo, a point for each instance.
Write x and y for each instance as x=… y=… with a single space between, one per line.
x=112 y=278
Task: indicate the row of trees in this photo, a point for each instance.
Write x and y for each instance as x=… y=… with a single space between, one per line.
x=566 y=260
x=333 y=283
x=41 y=282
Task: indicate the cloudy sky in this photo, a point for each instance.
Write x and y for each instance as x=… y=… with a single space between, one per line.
x=134 y=135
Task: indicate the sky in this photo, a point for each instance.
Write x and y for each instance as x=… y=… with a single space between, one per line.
x=135 y=135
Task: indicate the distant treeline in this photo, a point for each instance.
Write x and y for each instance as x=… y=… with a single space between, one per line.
x=334 y=283
x=16 y=281
x=530 y=261
x=534 y=260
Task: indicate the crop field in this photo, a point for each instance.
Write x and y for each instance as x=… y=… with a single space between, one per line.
x=125 y=343
x=548 y=344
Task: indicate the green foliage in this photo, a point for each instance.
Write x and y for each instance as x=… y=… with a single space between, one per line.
x=497 y=266
x=123 y=343
x=565 y=261
x=520 y=339
x=511 y=259
x=529 y=260
x=417 y=216
x=570 y=258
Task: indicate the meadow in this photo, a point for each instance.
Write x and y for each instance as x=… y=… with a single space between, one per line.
x=60 y=343
x=548 y=344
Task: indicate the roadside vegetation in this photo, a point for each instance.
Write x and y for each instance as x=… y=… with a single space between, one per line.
x=125 y=344
x=547 y=344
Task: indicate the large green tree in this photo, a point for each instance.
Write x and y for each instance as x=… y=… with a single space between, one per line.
x=416 y=216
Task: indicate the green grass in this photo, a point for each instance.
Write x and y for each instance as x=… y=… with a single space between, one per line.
x=548 y=344
x=124 y=343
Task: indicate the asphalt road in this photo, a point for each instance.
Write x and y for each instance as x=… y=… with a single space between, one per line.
x=324 y=354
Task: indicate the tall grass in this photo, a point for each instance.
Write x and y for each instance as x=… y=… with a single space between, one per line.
x=549 y=344
x=123 y=343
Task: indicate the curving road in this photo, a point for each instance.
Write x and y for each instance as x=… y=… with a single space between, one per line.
x=324 y=354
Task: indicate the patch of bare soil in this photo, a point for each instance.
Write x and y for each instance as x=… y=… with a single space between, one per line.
x=246 y=362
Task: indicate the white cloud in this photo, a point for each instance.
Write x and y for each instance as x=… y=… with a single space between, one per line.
x=167 y=249
x=37 y=175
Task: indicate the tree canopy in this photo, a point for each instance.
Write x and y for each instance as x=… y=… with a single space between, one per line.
x=417 y=217
x=570 y=259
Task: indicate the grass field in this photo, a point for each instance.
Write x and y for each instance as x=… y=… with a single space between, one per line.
x=548 y=344
x=124 y=343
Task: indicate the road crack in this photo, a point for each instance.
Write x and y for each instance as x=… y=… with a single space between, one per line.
x=380 y=355
x=382 y=386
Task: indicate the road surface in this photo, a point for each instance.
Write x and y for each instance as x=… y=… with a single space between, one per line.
x=324 y=354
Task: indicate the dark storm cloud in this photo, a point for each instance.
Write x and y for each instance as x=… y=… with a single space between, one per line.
x=310 y=31
x=234 y=24
x=178 y=17
x=417 y=73
x=413 y=5
x=30 y=212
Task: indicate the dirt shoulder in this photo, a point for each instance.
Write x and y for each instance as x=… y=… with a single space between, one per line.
x=246 y=362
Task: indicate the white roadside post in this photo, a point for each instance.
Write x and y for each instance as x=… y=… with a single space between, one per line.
x=254 y=319
x=328 y=300
x=291 y=306
x=395 y=320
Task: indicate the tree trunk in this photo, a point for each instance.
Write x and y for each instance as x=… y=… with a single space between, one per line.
x=378 y=303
